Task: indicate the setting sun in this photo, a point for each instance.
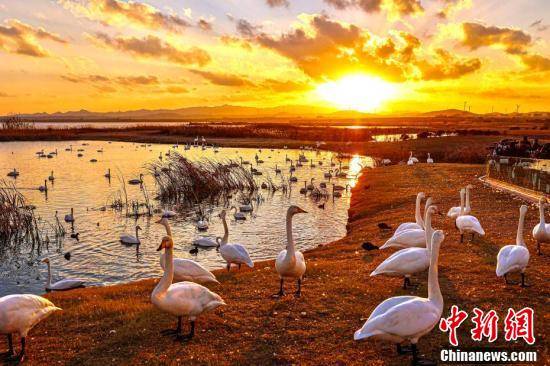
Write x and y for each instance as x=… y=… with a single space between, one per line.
x=358 y=92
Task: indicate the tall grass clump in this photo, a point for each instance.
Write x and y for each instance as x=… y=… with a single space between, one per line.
x=18 y=224
x=180 y=180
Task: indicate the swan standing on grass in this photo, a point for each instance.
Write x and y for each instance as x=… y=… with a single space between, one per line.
x=185 y=269
x=290 y=263
x=129 y=239
x=455 y=211
x=409 y=261
x=19 y=314
x=181 y=299
x=429 y=160
x=62 y=285
x=467 y=223
x=232 y=253
x=407 y=318
x=514 y=258
x=541 y=232
x=419 y=224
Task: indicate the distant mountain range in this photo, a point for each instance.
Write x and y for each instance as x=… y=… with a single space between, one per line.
x=239 y=112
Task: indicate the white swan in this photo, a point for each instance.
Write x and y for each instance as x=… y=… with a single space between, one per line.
x=541 y=232
x=290 y=263
x=238 y=215
x=205 y=242
x=169 y=213
x=232 y=253
x=129 y=239
x=70 y=217
x=467 y=223
x=408 y=238
x=419 y=224
x=186 y=269
x=455 y=211
x=514 y=258
x=19 y=314
x=182 y=298
x=202 y=225
x=409 y=261
x=407 y=318
x=62 y=285
x=429 y=160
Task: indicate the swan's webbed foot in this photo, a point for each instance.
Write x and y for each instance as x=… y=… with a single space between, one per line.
x=171 y=331
x=17 y=359
x=462 y=238
x=538 y=249
x=187 y=337
x=509 y=282
x=281 y=292
x=523 y=284
x=403 y=350
x=420 y=361
x=228 y=267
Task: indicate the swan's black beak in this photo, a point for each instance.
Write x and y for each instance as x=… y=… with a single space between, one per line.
x=161 y=246
x=301 y=210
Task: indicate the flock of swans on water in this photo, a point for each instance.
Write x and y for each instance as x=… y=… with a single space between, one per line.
x=401 y=319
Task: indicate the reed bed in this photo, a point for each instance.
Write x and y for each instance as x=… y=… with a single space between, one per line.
x=183 y=181
x=18 y=224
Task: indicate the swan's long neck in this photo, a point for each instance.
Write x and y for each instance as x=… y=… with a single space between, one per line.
x=168 y=229
x=428 y=229
x=467 y=198
x=519 y=235
x=168 y=276
x=417 y=214
x=225 y=231
x=290 y=249
x=541 y=212
x=49 y=275
x=434 y=292
x=461 y=203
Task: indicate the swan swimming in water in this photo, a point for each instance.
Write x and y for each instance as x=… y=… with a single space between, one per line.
x=19 y=314
x=541 y=232
x=185 y=269
x=129 y=239
x=467 y=223
x=514 y=258
x=290 y=263
x=455 y=211
x=183 y=298
x=62 y=285
x=232 y=253
x=409 y=261
x=407 y=318
x=70 y=217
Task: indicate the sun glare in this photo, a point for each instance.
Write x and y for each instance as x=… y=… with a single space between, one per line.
x=357 y=92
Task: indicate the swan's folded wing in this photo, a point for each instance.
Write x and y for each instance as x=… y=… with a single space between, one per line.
x=407 y=318
x=388 y=304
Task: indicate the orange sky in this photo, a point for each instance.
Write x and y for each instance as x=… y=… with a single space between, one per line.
x=369 y=55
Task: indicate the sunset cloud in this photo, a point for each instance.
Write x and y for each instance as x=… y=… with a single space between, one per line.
x=276 y=3
x=536 y=62
x=152 y=47
x=121 y=13
x=396 y=8
x=330 y=49
x=477 y=35
x=222 y=78
x=20 y=38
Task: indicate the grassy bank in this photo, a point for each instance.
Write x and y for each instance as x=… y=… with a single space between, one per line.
x=118 y=324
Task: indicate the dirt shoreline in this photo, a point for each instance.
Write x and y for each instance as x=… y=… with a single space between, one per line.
x=118 y=324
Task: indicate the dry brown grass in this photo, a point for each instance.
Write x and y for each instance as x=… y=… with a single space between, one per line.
x=118 y=325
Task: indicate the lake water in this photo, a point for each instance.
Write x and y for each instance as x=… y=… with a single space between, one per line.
x=100 y=258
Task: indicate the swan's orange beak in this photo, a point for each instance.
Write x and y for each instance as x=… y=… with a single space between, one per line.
x=301 y=210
